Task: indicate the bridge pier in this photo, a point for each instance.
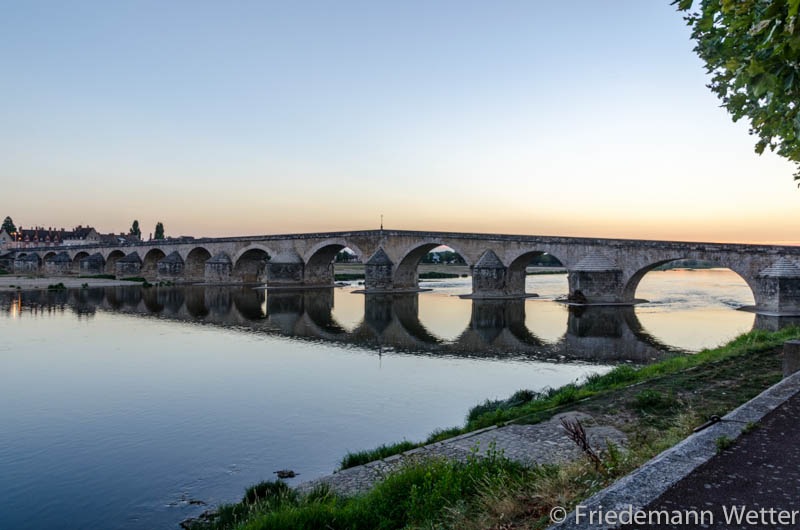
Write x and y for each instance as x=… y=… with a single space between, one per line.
x=286 y=269
x=94 y=264
x=171 y=267
x=218 y=269
x=778 y=289
x=59 y=264
x=378 y=272
x=489 y=277
x=596 y=280
x=28 y=264
x=130 y=265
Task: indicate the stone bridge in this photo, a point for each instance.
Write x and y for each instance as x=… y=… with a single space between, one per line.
x=600 y=271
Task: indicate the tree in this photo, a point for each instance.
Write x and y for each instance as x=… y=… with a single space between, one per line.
x=752 y=51
x=159 y=230
x=8 y=225
x=135 y=229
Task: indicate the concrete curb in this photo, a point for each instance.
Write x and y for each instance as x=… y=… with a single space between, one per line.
x=650 y=481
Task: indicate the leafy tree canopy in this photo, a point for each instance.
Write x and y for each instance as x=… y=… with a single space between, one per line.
x=751 y=49
x=135 y=231
x=159 y=231
x=8 y=225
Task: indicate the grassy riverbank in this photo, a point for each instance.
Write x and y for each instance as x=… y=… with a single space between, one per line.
x=655 y=406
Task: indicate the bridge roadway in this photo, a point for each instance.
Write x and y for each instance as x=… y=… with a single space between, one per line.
x=600 y=271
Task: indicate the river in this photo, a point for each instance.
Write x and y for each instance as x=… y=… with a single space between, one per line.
x=131 y=408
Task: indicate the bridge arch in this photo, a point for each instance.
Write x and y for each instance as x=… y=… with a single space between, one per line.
x=250 y=264
x=517 y=273
x=405 y=270
x=111 y=260
x=318 y=269
x=150 y=262
x=196 y=263
x=76 y=260
x=633 y=279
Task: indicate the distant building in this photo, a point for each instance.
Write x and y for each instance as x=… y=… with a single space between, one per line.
x=33 y=237
x=118 y=239
x=80 y=235
x=5 y=239
x=52 y=237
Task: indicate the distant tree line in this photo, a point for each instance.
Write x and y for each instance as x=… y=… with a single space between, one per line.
x=447 y=257
x=137 y=232
x=345 y=256
x=687 y=264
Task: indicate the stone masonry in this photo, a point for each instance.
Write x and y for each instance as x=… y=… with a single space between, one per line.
x=600 y=271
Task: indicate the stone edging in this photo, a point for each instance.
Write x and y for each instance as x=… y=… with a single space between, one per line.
x=651 y=480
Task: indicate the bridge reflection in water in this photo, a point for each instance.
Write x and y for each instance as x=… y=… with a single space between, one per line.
x=496 y=328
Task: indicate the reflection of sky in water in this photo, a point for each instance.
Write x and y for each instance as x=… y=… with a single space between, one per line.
x=686 y=309
x=123 y=414
x=692 y=308
x=116 y=416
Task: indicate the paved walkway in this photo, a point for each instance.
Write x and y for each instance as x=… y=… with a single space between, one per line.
x=760 y=470
x=542 y=443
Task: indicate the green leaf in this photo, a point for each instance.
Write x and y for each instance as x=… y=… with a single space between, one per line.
x=793 y=6
x=755 y=68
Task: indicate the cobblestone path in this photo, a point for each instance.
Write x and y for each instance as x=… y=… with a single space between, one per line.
x=543 y=443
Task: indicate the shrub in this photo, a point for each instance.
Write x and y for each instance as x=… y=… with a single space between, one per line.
x=347 y=277
x=264 y=490
x=436 y=275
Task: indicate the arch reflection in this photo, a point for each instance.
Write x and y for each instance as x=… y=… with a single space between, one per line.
x=497 y=328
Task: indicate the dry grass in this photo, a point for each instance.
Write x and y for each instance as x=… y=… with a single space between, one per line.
x=525 y=502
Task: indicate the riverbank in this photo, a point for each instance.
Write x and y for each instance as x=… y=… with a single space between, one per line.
x=12 y=282
x=654 y=407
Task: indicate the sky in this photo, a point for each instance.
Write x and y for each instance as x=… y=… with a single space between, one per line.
x=252 y=117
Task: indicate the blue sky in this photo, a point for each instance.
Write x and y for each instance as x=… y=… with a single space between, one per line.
x=579 y=118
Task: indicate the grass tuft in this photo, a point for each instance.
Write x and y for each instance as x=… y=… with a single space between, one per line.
x=382 y=451
x=417 y=493
x=723 y=443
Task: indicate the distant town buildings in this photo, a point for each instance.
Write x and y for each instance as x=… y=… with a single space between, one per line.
x=52 y=237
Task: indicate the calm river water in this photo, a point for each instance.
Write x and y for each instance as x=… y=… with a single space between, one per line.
x=125 y=408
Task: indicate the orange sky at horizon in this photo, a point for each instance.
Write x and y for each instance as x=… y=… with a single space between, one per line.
x=468 y=123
